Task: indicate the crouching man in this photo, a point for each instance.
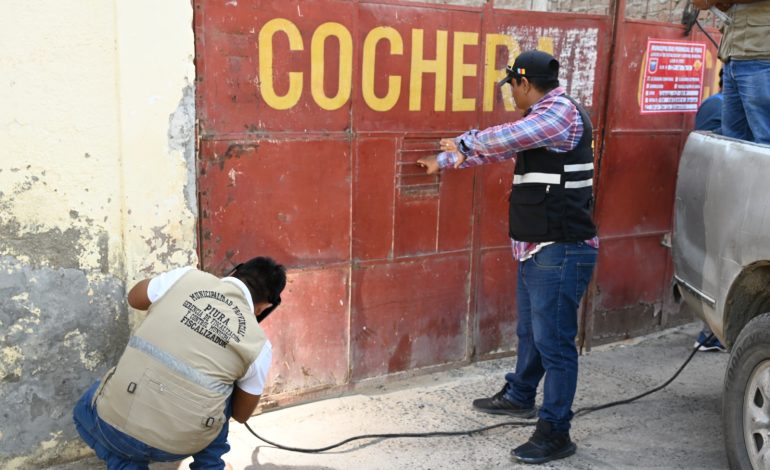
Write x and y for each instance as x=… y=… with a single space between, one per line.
x=197 y=359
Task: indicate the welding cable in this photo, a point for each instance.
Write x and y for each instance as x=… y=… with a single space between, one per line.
x=700 y=26
x=581 y=411
x=690 y=16
x=591 y=409
x=391 y=436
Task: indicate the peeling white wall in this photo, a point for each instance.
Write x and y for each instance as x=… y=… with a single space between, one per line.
x=157 y=126
x=58 y=126
x=97 y=190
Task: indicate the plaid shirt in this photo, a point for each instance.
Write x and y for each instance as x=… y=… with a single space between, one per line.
x=553 y=122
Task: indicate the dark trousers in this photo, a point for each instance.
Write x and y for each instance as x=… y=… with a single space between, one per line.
x=123 y=452
x=549 y=288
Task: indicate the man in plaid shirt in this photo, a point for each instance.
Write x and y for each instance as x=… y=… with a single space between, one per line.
x=554 y=241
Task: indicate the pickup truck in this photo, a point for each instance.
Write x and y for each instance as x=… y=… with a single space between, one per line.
x=721 y=253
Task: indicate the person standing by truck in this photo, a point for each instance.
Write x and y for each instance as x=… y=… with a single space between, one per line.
x=745 y=51
x=709 y=115
x=709 y=118
x=554 y=241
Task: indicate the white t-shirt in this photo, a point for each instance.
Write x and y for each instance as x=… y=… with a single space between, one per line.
x=253 y=382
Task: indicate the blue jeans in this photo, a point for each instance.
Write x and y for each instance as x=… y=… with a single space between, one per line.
x=746 y=106
x=550 y=286
x=123 y=452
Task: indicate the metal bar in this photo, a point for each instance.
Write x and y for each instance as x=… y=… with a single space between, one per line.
x=646 y=131
x=415 y=186
x=655 y=233
x=690 y=288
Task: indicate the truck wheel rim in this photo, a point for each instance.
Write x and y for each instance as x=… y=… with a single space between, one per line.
x=756 y=416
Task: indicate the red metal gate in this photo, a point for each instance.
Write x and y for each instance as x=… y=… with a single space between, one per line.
x=311 y=115
x=635 y=195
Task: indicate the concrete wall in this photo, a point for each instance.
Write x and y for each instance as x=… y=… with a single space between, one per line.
x=97 y=190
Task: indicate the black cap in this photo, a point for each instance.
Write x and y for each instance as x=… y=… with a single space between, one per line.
x=532 y=64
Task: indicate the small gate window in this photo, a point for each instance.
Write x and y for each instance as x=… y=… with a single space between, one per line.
x=587 y=7
x=411 y=180
x=668 y=11
x=465 y=3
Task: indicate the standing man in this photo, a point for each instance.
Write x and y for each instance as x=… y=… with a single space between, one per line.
x=709 y=115
x=709 y=118
x=745 y=51
x=554 y=240
x=198 y=358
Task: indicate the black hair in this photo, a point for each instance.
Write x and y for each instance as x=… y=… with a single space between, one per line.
x=542 y=84
x=265 y=280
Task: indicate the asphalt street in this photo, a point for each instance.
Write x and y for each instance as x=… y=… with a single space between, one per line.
x=676 y=428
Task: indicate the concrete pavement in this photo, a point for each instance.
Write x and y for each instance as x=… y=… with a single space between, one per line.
x=676 y=428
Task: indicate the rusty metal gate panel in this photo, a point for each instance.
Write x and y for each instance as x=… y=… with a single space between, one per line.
x=635 y=196
x=311 y=115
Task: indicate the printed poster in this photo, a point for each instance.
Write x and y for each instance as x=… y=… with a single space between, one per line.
x=673 y=76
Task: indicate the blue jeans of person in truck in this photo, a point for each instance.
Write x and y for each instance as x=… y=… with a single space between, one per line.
x=123 y=452
x=746 y=105
x=550 y=286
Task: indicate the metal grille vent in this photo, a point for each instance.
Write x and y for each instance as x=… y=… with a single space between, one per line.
x=411 y=180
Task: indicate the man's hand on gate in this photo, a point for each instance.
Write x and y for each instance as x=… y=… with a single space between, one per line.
x=430 y=164
x=449 y=145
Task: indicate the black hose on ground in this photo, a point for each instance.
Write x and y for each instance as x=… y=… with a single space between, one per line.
x=580 y=412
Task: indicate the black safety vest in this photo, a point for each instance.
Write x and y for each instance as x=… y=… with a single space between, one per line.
x=552 y=195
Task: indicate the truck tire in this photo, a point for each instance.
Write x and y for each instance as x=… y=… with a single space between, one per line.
x=746 y=398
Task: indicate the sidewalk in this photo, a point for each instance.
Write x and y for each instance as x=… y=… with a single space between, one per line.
x=676 y=428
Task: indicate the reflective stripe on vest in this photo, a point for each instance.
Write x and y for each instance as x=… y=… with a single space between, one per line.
x=180 y=367
x=545 y=178
x=579 y=184
x=579 y=167
x=554 y=178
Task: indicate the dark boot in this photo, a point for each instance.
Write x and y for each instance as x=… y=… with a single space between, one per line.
x=544 y=445
x=497 y=404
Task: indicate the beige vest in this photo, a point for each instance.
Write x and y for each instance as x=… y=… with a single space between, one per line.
x=170 y=386
x=748 y=37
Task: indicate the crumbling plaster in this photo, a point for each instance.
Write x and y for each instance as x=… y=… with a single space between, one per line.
x=97 y=191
